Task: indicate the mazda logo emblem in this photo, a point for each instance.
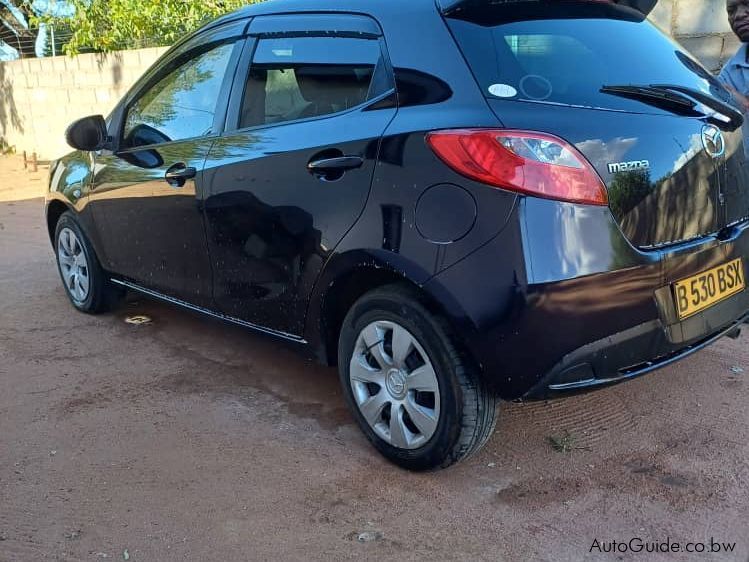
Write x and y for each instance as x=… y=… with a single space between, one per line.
x=713 y=141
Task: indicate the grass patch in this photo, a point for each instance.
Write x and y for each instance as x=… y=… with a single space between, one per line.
x=563 y=443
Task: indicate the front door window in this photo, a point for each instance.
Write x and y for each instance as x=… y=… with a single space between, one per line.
x=182 y=104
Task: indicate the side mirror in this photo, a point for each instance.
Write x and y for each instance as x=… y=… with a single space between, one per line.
x=89 y=134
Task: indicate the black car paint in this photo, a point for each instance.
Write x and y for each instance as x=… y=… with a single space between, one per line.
x=683 y=195
x=543 y=294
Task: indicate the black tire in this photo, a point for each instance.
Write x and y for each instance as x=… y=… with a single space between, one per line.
x=102 y=294
x=468 y=409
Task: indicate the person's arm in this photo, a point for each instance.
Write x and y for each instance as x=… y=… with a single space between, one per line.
x=727 y=81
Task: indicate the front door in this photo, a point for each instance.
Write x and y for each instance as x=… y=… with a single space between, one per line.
x=293 y=174
x=147 y=197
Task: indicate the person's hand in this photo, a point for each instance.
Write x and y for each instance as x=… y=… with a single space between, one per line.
x=741 y=98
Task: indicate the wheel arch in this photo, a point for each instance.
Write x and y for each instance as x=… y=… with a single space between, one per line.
x=55 y=209
x=348 y=277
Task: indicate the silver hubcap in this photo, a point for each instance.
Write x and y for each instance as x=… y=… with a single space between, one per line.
x=73 y=265
x=395 y=385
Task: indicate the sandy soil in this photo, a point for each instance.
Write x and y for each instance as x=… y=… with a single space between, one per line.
x=17 y=182
x=188 y=439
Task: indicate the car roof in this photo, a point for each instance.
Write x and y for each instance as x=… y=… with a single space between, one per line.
x=373 y=7
x=379 y=9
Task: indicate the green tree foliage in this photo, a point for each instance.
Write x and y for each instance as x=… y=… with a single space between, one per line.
x=111 y=25
x=628 y=189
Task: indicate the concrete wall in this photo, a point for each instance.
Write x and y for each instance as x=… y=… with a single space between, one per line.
x=701 y=26
x=39 y=98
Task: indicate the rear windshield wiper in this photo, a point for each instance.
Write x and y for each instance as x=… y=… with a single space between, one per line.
x=671 y=101
x=722 y=108
x=681 y=100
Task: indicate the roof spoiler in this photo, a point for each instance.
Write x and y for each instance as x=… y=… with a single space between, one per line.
x=452 y=7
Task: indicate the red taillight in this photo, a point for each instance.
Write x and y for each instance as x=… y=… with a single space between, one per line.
x=532 y=163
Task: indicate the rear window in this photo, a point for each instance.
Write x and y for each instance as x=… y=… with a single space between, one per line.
x=567 y=61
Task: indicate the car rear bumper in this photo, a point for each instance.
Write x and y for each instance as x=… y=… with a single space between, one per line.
x=573 y=306
x=579 y=371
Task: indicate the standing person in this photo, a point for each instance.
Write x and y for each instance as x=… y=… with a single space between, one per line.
x=735 y=73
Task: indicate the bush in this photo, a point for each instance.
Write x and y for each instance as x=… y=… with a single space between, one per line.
x=111 y=25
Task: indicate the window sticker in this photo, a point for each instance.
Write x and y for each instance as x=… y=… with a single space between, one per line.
x=503 y=91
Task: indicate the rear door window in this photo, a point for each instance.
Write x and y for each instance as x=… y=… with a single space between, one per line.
x=306 y=77
x=567 y=61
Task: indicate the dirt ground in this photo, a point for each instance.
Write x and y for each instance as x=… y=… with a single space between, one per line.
x=17 y=182
x=189 y=439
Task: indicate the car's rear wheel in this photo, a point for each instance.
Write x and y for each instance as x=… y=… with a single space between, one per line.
x=417 y=398
x=85 y=282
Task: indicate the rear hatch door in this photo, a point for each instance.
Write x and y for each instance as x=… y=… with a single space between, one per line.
x=660 y=130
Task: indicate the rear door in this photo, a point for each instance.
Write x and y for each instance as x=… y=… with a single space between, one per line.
x=147 y=195
x=546 y=69
x=292 y=173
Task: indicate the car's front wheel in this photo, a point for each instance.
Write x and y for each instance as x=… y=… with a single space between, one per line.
x=417 y=398
x=86 y=284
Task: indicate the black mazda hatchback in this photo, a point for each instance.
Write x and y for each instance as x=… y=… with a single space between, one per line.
x=455 y=202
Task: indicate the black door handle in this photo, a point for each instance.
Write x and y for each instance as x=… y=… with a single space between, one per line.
x=334 y=168
x=178 y=174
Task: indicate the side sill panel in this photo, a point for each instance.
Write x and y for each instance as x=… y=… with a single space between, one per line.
x=183 y=304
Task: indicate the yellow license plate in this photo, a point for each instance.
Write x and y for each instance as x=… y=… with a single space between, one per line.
x=702 y=291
